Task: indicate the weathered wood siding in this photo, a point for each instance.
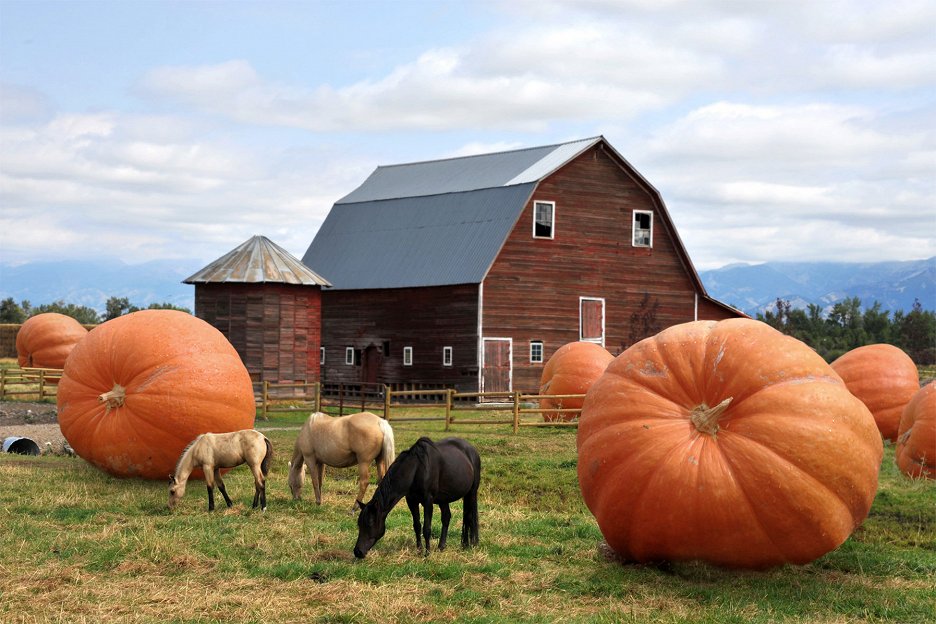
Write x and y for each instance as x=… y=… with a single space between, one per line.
x=276 y=328
x=532 y=291
x=710 y=311
x=426 y=319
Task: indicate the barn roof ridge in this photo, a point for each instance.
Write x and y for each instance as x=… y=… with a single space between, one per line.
x=486 y=154
x=466 y=173
x=257 y=260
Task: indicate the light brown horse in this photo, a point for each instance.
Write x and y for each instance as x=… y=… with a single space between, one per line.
x=213 y=451
x=341 y=442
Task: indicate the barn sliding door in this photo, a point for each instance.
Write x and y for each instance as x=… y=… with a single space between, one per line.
x=592 y=320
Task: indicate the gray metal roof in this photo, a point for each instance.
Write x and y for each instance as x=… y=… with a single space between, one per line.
x=467 y=173
x=416 y=241
x=257 y=260
x=432 y=223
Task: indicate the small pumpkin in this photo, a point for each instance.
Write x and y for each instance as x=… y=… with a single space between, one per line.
x=884 y=378
x=572 y=369
x=45 y=340
x=726 y=442
x=915 y=452
x=140 y=387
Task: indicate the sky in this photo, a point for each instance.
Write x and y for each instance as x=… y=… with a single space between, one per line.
x=779 y=130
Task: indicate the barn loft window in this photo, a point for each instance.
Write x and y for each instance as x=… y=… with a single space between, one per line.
x=386 y=348
x=544 y=214
x=407 y=356
x=643 y=228
x=446 y=356
x=536 y=351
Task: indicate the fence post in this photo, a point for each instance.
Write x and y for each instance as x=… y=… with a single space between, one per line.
x=318 y=396
x=386 y=402
x=448 y=408
x=3 y=375
x=516 y=411
x=341 y=399
x=265 y=397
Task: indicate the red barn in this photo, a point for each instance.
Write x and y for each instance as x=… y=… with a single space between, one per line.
x=470 y=272
x=268 y=304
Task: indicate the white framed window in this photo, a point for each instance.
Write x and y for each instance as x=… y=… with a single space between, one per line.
x=349 y=356
x=446 y=356
x=322 y=356
x=544 y=219
x=643 y=228
x=407 y=356
x=536 y=351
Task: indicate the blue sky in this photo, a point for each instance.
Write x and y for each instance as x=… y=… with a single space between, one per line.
x=146 y=130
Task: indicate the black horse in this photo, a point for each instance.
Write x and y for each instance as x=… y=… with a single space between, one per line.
x=427 y=473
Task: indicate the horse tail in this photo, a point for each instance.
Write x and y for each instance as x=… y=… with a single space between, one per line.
x=265 y=464
x=388 y=447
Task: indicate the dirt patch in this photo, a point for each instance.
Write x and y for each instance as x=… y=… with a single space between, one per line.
x=36 y=421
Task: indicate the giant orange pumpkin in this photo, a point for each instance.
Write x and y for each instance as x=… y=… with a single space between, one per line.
x=726 y=442
x=140 y=387
x=45 y=340
x=572 y=369
x=884 y=378
x=916 y=439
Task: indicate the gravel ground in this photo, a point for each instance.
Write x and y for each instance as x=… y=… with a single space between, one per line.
x=36 y=421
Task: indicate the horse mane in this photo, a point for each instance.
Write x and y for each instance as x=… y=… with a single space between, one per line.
x=419 y=453
x=185 y=451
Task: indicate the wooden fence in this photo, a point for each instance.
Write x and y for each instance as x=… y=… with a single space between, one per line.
x=29 y=384
x=444 y=405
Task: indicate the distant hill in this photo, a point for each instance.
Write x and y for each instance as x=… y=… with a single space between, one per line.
x=751 y=288
x=92 y=283
x=754 y=288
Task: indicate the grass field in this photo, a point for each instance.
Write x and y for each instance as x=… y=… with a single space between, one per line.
x=80 y=546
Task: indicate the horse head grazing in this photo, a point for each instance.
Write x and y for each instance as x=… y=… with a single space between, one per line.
x=211 y=452
x=428 y=473
x=371 y=527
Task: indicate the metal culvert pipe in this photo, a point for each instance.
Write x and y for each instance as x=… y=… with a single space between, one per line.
x=20 y=446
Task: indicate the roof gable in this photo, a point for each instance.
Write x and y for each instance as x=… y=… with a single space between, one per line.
x=257 y=260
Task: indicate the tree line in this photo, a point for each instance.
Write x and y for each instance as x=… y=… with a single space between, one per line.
x=847 y=326
x=12 y=312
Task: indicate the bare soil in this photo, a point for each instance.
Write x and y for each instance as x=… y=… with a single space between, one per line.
x=36 y=421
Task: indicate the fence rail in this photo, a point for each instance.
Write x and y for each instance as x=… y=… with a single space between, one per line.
x=398 y=405
x=25 y=384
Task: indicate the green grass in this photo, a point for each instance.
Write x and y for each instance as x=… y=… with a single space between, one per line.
x=79 y=545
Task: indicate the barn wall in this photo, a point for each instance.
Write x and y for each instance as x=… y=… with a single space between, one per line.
x=275 y=328
x=425 y=318
x=532 y=291
x=709 y=311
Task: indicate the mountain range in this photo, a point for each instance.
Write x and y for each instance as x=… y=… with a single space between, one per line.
x=755 y=288
x=92 y=283
x=751 y=288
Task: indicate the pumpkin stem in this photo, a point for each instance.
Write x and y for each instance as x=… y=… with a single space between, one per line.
x=705 y=418
x=114 y=398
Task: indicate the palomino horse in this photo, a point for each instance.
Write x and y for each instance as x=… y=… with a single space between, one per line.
x=341 y=442
x=213 y=451
x=427 y=473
